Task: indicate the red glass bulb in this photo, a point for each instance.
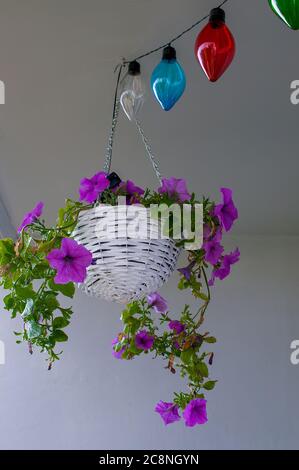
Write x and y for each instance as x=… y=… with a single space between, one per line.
x=215 y=46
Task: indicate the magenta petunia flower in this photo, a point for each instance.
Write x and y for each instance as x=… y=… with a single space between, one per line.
x=225 y=267
x=187 y=271
x=157 y=302
x=195 y=412
x=143 y=340
x=31 y=216
x=175 y=188
x=70 y=261
x=91 y=188
x=169 y=412
x=176 y=326
x=117 y=354
x=132 y=191
x=226 y=212
x=213 y=251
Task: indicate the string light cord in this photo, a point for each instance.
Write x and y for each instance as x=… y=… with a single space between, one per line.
x=159 y=48
x=116 y=103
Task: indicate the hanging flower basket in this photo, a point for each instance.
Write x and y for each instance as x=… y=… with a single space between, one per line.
x=124 y=268
x=93 y=245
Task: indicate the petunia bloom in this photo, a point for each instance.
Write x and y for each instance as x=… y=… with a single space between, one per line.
x=187 y=271
x=213 y=251
x=31 y=216
x=143 y=340
x=195 y=412
x=226 y=212
x=91 y=188
x=169 y=412
x=70 y=261
x=175 y=188
x=117 y=354
x=225 y=267
x=176 y=326
x=157 y=302
x=133 y=192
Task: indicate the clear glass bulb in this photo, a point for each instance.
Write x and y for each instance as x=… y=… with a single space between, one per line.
x=132 y=92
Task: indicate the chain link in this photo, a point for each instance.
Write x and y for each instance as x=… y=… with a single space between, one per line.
x=149 y=151
x=108 y=158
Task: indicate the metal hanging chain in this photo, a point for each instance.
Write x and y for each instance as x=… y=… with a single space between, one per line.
x=108 y=158
x=149 y=151
x=152 y=51
x=115 y=113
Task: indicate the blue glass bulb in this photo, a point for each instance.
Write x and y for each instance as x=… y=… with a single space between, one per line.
x=168 y=79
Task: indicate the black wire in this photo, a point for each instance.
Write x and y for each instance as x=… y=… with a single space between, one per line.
x=175 y=38
x=120 y=66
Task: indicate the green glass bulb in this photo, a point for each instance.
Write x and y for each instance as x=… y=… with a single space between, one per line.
x=287 y=10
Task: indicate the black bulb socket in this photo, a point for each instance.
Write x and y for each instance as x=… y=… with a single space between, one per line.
x=114 y=180
x=134 y=68
x=217 y=15
x=169 y=53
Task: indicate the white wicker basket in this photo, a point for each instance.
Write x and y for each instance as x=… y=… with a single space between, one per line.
x=125 y=268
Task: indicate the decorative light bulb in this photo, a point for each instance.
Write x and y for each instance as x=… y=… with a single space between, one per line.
x=132 y=91
x=215 y=46
x=168 y=79
x=287 y=10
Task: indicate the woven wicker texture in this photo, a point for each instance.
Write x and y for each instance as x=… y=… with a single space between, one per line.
x=130 y=259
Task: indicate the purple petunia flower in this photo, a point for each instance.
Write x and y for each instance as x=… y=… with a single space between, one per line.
x=187 y=271
x=132 y=191
x=176 y=326
x=143 y=340
x=117 y=354
x=169 y=412
x=157 y=302
x=195 y=412
x=226 y=212
x=31 y=216
x=213 y=251
x=209 y=234
x=175 y=188
x=224 y=270
x=91 y=188
x=70 y=261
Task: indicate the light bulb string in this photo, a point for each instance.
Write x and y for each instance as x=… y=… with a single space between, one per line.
x=119 y=68
x=168 y=43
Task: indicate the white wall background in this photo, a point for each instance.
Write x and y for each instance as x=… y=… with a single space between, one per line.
x=92 y=401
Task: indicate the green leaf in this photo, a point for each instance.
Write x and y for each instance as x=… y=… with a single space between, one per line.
x=187 y=356
x=182 y=284
x=9 y=301
x=25 y=293
x=39 y=270
x=66 y=289
x=210 y=339
x=60 y=336
x=51 y=302
x=7 y=251
x=203 y=369
x=33 y=329
x=28 y=309
x=60 y=322
x=210 y=385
